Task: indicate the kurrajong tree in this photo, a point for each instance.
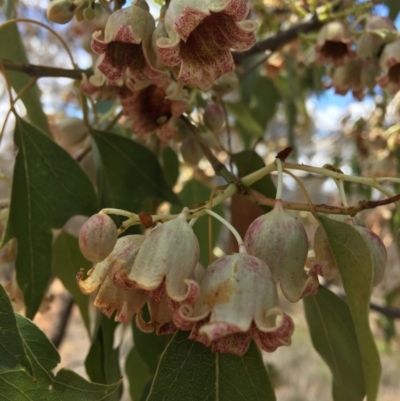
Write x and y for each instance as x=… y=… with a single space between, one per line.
x=189 y=108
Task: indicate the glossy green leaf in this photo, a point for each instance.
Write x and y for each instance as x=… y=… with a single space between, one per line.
x=333 y=336
x=102 y=361
x=249 y=161
x=355 y=263
x=245 y=119
x=67 y=260
x=48 y=188
x=137 y=373
x=194 y=192
x=192 y=372
x=15 y=382
x=12 y=48
x=170 y=166
x=128 y=173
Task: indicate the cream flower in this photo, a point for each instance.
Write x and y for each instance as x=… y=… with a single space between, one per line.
x=201 y=35
x=127 y=45
x=238 y=302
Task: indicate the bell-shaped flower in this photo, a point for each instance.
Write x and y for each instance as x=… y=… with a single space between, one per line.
x=349 y=77
x=126 y=303
x=168 y=256
x=238 y=302
x=120 y=259
x=127 y=44
x=389 y=62
x=333 y=44
x=153 y=110
x=201 y=35
x=281 y=241
x=104 y=278
x=163 y=309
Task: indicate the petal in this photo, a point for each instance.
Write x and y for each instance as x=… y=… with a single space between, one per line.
x=187 y=21
x=97 y=275
x=169 y=52
x=272 y=339
x=98 y=46
x=236 y=344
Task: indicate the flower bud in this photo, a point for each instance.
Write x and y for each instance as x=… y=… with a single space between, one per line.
x=214 y=118
x=71 y=132
x=97 y=237
x=61 y=11
x=190 y=150
x=378 y=250
x=281 y=241
x=89 y=13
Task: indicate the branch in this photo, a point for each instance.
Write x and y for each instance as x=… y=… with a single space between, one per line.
x=259 y=199
x=40 y=71
x=279 y=40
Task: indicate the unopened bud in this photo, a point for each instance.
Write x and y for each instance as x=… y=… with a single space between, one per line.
x=97 y=237
x=89 y=13
x=214 y=118
x=225 y=84
x=71 y=132
x=61 y=11
x=191 y=152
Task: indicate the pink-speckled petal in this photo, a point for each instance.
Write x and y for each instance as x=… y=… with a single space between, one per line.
x=236 y=9
x=195 y=334
x=124 y=34
x=187 y=21
x=169 y=52
x=110 y=68
x=217 y=330
x=236 y=344
x=272 y=339
x=98 y=46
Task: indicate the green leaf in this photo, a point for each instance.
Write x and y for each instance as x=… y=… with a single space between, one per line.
x=129 y=173
x=149 y=346
x=194 y=192
x=333 y=336
x=102 y=361
x=12 y=349
x=355 y=263
x=67 y=260
x=48 y=188
x=264 y=101
x=137 y=373
x=170 y=166
x=245 y=119
x=17 y=385
x=16 y=52
x=394 y=8
x=192 y=372
x=36 y=341
x=249 y=161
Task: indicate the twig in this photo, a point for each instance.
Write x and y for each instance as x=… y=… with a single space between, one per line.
x=219 y=168
x=40 y=71
x=62 y=320
x=279 y=40
x=393 y=313
x=260 y=199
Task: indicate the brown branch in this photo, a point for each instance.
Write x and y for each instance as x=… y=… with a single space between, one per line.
x=260 y=199
x=40 y=71
x=279 y=40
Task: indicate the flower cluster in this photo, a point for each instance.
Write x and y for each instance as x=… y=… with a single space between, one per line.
x=358 y=64
x=147 y=66
x=224 y=306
